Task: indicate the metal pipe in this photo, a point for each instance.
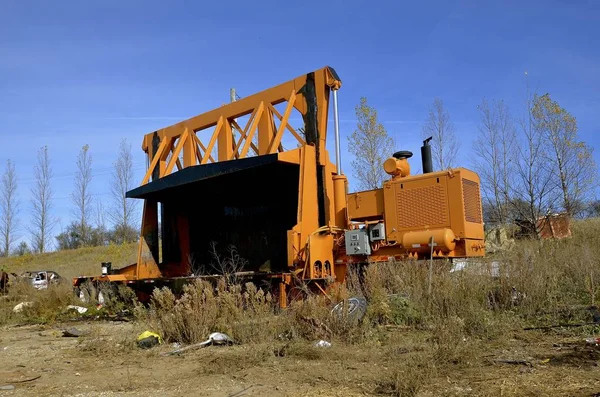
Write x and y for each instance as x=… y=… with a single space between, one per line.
x=336 y=124
x=426 y=156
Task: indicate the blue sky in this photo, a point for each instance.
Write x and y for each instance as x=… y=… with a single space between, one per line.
x=82 y=72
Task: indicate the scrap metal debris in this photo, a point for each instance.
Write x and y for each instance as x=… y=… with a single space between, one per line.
x=353 y=309
x=41 y=279
x=550 y=226
x=4 y=278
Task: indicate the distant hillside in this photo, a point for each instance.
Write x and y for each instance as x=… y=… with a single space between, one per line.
x=72 y=263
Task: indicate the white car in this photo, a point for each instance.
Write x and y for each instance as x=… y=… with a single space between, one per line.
x=40 y=279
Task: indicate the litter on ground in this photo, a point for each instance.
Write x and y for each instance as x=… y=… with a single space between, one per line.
x=322 y=343
x=148 y=339
x=72 y=333
x=79 y=309
x=19 y=308
x=216 y=338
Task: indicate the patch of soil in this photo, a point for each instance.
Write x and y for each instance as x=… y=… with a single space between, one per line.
x=38 y=361
x=577 y=355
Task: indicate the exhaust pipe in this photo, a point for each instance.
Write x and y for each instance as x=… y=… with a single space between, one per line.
x=336 y=125
x=426 y=156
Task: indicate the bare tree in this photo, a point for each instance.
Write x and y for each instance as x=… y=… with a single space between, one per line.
x=123 y=210
x=573 y=165
x=532 y=193
x=41 y=222
x=81 y=196
x=495 y=152
x=101 y=221
x=371 y=146
x=9 y=207
x=444 y=145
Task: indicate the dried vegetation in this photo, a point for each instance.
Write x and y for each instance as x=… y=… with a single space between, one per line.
x=420 y=335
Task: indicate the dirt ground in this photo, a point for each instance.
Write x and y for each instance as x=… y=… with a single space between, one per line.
x=38 y=360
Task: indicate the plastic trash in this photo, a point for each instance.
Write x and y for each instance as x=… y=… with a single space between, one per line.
x=80 y=309
x=148 y=339
x=592 y=341
x=322 y=343
x=218 y=338
x=19 y=308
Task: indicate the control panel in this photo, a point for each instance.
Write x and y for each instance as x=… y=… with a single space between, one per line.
x=357 y=242
x=377 y=232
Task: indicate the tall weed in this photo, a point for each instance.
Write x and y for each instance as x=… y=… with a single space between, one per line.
x=247 y=315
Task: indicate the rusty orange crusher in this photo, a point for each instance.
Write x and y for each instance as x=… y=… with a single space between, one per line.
x=225 y=178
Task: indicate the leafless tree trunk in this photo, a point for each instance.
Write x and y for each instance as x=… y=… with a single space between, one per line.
x=41 y=200
x=495 y=153
x=371 y=146
x=444 y=145
x=81 y=196
x=123 y=210
x=9 y=207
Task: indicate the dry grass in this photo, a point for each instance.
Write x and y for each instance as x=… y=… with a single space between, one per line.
x=423 y=340
x=73 y=263
x=49 y=305
x=246 y=315
x=229 y=361
x=473 y=303
x=44 y=306
x=98 y=342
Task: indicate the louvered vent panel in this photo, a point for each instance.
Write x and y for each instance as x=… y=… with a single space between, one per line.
x=422 y=206
x=472 y=201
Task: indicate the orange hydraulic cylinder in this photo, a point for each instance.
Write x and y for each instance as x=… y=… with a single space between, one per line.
x=340 y=190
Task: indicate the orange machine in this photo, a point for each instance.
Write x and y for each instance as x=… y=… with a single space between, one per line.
x=436 y=213
x=224 y=178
